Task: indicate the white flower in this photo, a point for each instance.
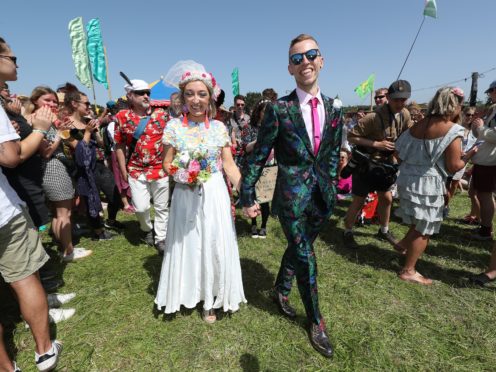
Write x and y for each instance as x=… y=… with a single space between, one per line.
x=337 y=104
x=184 y=157
x=181 y=176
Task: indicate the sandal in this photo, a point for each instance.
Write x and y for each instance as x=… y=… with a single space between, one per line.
x=480 y=280
x=470 y=220
x=209 y=316
x=414 y=278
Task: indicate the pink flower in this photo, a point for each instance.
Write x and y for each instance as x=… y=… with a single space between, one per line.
x=194 y=166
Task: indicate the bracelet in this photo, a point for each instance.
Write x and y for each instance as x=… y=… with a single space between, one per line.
x=44 y=132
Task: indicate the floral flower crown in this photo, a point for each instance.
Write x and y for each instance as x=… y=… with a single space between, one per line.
x=205 y=77
x=458 y=92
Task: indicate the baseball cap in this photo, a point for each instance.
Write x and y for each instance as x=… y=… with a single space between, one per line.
x=400 y=89
x=136 y=85
x=491 y=86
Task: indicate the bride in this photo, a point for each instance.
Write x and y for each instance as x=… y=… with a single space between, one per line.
x=201 y=260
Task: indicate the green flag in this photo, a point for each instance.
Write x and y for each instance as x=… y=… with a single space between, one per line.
x=366 y=87
x=235 y=81
x=79 y=52
x=430 y=8
x=96 y=52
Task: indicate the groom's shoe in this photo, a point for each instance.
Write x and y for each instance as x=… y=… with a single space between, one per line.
x=320 y=341
x=283 y=304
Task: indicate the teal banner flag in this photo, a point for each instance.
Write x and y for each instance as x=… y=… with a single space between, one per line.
x=235 y=81
x=430 y=8
x=79 y=52
x=96 y=51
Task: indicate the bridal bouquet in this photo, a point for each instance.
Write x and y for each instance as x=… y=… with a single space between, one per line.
x=191 y=168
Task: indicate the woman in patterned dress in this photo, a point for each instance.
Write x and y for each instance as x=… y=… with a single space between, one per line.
x=57 y=182
x=201 y=260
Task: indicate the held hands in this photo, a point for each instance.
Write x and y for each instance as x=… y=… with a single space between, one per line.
x=383 y=145
x=42 y=119
x=252 y=211
x=14 y=106
x=92 y=126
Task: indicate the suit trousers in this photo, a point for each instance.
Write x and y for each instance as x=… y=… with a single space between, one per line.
x=142 y=190
x=299 y=258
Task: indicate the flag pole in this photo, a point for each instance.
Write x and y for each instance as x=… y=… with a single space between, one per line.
x=408 y=55
x=106 y=67
x=371 y=94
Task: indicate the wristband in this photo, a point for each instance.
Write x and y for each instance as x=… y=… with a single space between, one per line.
x=44 y=132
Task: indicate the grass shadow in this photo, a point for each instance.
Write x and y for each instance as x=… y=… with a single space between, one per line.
x=257 y=283
x=249 y=363
x=371 y=254
x=153 y=265
x=132 y=232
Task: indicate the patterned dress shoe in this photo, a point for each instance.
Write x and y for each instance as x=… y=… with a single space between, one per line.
x=320 y=341
x=283 y=304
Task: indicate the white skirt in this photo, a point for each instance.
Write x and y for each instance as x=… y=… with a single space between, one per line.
x=201 y=259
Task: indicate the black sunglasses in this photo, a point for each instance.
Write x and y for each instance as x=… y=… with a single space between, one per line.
x=13 y=59
x=379 y=97
x=142 y=92
x=297 y=58
x=84 y=103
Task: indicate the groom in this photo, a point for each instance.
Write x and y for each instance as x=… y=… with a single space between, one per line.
x=304 y=129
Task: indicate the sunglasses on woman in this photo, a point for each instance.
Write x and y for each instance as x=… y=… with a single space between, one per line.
x=13 y=59
x=297 y=58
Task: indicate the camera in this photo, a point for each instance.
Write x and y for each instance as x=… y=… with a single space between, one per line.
x=357 y=158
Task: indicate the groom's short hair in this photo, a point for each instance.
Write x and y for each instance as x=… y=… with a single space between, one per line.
x=300 y=38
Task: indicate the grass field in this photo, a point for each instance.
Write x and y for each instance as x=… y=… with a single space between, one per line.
x=375 y=321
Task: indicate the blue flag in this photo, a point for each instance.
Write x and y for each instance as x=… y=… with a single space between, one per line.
x=96 y=51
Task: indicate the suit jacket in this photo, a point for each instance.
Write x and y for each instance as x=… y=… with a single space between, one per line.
x=299 y=170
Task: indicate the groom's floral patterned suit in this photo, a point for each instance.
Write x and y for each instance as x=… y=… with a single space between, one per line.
x=305 y=188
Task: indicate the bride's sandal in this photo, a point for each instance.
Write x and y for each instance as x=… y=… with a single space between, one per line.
x=416 y=277
x=209 y=316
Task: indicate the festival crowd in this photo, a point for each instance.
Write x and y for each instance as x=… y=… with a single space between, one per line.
x=68 y=169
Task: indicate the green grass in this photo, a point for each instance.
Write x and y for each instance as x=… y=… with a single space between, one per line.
x=375 y=321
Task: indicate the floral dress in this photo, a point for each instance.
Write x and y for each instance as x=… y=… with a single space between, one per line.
x=201 y=259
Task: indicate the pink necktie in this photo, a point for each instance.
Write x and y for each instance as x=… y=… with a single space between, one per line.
x=316 y=125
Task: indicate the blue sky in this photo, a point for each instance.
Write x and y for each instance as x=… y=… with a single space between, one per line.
x=357 y=37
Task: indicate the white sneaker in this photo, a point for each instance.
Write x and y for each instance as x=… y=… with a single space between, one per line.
x=77 y=254
x=49 y=360
x=59 y=315
x=58 y=299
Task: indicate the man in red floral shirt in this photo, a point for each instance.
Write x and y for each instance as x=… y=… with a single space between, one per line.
x=142 y=168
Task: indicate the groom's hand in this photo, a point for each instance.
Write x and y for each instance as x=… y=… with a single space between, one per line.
x=252 y=211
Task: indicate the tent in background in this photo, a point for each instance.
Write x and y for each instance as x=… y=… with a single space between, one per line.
x=160 y=93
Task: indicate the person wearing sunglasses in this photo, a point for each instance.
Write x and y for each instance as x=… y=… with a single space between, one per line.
x=139 y=135
x=484 y=170
x=455 y=182
x=304 y=129
x=380 y=96
x=21 y=251
x=236 y=123
x=375 y=135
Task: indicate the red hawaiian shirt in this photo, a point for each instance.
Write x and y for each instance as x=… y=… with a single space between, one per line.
x=147 y=156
